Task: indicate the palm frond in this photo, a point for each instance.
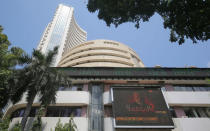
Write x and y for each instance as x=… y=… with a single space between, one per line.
x=18 y=85
x=37 y=55
x=50 y=55
x=24 y=59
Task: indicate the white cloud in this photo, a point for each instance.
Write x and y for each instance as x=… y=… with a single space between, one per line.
x=208 y=64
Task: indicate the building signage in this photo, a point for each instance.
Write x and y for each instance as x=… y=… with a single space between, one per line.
x=140 y=108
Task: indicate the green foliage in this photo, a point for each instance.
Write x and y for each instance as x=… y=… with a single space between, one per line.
x=71 y=126
x=208 y=81
x=9 y=58
x=4 y=124
x=37 y=124
x=17 y=127
x=37 y=77
x=185 y=18
x=119 y=11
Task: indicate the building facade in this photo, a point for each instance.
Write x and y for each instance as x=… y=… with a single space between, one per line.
x=62 y=31
x=101 y=53
x=186 y=92
x=97 y=67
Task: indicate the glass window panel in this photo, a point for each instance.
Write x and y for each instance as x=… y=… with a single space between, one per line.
x=68 y=89
x=53 y=112
x=33 y=111
x=59 y=29
x=96 y=113
x=163 y=88
x=201 y=112
x=196 y=88
x=108 y=111
x=208 y=88
x=176 y=88
x=203 y=89
x=63 y=111
x=74 y=88
x=188 y=89
x=173 y=114
x=18 y=113
x=207 y=110
x=78 y=112
x=189 y=112
x=21 y=112
x=61 y=88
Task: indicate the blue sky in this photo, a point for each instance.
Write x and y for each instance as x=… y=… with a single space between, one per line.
x=25 y=20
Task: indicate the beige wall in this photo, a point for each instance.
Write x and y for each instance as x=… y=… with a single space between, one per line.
x=65 y=97
x=181 y=98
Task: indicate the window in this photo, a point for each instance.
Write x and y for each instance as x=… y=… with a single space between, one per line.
x=201 y=88
x=52 y=111
x=108 y=111
x=203 y=112
x=177 y=88
x=96 y=108
x=76 y=87
x=20 y=112
x=190 y=112
x=33 y=112
x=58 y=111
x=172 y=111
x=180 y=88
x=61 y=88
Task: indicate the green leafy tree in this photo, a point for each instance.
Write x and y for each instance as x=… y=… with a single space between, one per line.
x=120 y=11
x=37 y=124
x=185 y=18
x=17 y=127
x=36 y=78
x=4 y=124
x=9 y=58
x=71 y=126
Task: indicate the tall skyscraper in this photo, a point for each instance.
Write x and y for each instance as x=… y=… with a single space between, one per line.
x=62 y=31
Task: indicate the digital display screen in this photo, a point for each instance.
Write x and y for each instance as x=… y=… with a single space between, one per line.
x=140 y=108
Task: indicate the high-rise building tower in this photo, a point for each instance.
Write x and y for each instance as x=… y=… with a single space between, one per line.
x=62 y=31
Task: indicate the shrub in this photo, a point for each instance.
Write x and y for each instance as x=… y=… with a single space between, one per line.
x=71 y=126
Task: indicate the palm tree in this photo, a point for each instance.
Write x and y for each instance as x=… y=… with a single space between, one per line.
x=36 y=78
x=9 y=58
